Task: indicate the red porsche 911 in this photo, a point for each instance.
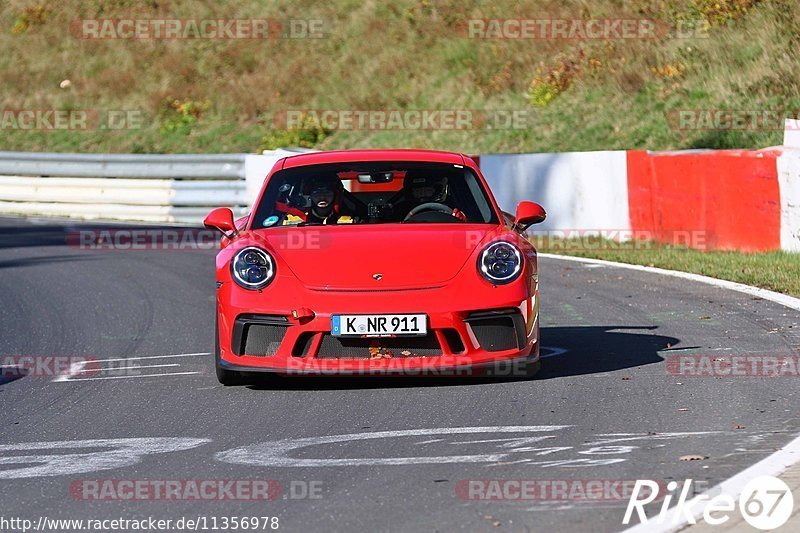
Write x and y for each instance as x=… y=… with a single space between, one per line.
x=389 y=262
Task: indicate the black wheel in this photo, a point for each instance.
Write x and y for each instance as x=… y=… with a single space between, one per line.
x=228 y=377
x=531 y=369
x=224 y=376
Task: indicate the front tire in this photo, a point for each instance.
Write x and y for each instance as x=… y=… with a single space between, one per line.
x=532 y=368
x=228 y=377
x=224 y=376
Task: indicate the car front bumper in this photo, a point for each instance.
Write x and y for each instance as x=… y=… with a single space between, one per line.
x=498 y=338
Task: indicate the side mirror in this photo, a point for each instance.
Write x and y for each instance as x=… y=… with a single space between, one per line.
x=529 y=213
x=222 y=220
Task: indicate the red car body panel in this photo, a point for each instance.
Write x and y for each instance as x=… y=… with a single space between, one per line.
x=321 y=271
x=348 y=156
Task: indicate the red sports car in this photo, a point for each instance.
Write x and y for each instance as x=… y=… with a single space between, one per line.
x=376 y=262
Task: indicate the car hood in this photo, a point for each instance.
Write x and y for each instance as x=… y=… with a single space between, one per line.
x=352 y=257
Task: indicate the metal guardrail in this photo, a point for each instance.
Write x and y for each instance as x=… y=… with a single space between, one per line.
x=184 y=166
x=155 y=188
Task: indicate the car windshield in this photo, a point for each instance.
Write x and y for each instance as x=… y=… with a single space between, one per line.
x=373 y=193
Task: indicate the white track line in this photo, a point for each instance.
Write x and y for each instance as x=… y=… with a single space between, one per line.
x=77 y=368
x=772 y=465
x=114 y=369
x=147 y=357
x=131 y=377
x=783 y=299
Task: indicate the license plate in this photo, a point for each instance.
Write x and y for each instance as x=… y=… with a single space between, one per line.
x=378 y=325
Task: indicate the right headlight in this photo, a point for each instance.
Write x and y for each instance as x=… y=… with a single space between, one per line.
x=500 y=262
x=252 y=268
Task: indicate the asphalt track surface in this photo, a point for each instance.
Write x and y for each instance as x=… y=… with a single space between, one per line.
x=604 y=403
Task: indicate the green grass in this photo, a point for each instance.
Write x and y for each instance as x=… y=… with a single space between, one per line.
x=776 y=271
x=222 y=95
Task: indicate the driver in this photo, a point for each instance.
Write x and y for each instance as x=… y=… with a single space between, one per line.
x=424 y=189
x=419 y=190
x=325 y=195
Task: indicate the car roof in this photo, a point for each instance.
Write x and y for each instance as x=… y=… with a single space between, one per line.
x=354 y=156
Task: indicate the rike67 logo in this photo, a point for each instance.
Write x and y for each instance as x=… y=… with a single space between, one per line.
x=765 y=503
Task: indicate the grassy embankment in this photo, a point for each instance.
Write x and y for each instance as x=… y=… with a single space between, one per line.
x=221 y=95
x=777 y=271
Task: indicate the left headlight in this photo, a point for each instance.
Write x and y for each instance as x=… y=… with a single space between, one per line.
x=500 y=262
x=252 y=268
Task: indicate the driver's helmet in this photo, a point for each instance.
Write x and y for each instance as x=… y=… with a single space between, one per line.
x=323 y=193
x=423 y=189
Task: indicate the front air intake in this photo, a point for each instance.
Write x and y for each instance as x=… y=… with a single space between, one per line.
x=258 y=335
x=497 y=331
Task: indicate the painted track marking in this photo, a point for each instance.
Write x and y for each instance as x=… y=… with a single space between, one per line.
x=523 y=448
x=78 y=368
x=772 y=465
x=276 y=453
x=131 y=377
x=112 y=368
x=150 y=357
